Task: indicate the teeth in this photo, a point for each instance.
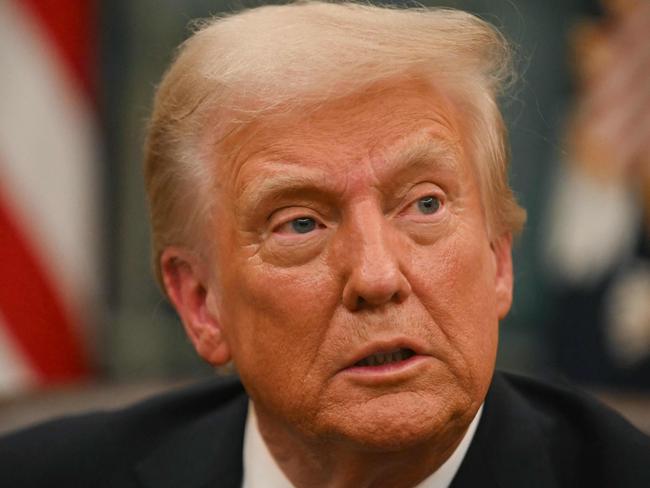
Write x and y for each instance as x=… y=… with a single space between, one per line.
x=386 y=357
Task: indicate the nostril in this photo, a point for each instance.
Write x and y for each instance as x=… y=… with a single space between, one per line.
x=398 y=297
x=362 y=302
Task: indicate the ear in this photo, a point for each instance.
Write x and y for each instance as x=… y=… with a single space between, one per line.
x=185 y=280
x=502 y=249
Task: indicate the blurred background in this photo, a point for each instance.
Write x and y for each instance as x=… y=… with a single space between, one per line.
x=82 y=323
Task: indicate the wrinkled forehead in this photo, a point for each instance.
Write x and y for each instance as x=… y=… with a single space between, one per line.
x=383 y=125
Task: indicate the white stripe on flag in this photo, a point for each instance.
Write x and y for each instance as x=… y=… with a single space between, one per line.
x=15 y=373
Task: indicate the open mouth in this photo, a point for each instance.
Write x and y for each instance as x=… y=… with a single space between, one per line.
x=388 y=357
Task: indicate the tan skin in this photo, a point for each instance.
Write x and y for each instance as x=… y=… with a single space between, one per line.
x=351 y=230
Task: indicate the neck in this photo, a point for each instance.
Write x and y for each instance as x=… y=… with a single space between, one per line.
x=340 y=464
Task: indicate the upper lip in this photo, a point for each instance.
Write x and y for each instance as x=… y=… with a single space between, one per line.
x=382 y=346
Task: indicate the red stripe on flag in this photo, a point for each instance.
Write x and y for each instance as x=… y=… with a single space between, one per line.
x=71 y=27
x=33 y=310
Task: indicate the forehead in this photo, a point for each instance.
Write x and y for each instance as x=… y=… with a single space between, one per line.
x=407 y=123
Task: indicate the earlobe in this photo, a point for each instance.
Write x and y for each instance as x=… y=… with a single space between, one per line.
x=188 y=289
x=502 y=249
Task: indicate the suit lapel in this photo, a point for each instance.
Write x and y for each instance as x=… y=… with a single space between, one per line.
x=207 y=453
x=509 y=449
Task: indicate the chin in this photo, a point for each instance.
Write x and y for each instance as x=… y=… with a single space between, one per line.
x=399 y=422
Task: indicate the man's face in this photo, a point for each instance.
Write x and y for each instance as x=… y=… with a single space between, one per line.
x=349 y=237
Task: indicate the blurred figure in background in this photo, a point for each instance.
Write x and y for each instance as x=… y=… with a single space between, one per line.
x=598 y=244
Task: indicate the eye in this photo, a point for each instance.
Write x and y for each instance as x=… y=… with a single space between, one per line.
x=294 y=222
x=303 y=225
x=428 y=205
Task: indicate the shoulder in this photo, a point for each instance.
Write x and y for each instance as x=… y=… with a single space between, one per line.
x=584 y=442
x=564 y=409
x=66 y=451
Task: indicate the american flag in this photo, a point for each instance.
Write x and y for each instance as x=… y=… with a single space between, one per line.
x=49 y=191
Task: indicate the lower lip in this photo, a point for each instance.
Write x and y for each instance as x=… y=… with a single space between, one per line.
x=384 y=372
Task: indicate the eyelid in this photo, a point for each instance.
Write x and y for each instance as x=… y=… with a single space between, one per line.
x=416 y=194
x=288 y=214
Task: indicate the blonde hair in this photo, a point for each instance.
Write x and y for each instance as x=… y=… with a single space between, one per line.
x=242 y=67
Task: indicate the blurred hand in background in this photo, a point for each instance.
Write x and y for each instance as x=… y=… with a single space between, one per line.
x=609 y=134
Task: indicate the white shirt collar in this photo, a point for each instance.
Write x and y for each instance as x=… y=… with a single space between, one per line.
x=261 y=470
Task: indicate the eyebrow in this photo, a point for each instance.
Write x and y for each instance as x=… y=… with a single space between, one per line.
x=414 y=155
x=265 y=188
x=423 y=153
x=424 y=150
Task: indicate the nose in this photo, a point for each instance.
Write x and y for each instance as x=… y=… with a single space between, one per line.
x=371 y=252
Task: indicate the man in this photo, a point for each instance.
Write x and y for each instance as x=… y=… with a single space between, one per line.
x=330 y=211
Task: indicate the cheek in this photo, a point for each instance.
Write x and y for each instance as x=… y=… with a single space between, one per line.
x=454 y=280
x=276 y=319
x=457 y=273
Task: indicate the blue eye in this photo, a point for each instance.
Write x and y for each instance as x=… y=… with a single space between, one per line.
x=428 y=205
x=303 y=225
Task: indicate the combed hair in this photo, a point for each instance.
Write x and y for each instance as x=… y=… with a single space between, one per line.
x=239 y=68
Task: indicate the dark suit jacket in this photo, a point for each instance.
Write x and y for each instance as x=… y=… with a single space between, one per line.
x=531 y=435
